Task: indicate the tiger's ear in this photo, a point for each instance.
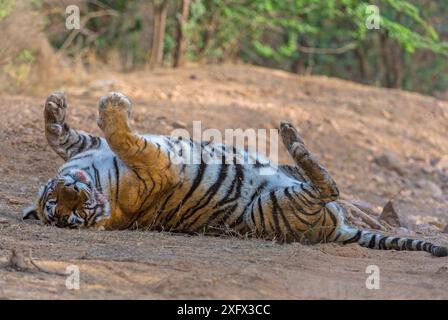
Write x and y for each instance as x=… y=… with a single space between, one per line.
x=30 y=213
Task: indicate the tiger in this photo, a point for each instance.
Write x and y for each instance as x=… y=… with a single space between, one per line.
x=131 y=181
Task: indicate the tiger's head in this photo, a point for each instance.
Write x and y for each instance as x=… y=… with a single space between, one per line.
x=70 y=201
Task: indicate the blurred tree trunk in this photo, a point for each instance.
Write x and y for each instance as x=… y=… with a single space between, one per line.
x=298 y=64
x=363 y=63
x=160 y=11
x=380 y=58
x=393 y=63
x=182 y=42
x=210 y=27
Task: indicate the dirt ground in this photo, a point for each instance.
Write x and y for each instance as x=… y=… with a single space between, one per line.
x=378 y=144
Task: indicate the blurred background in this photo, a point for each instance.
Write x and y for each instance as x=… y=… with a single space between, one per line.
x=408 y=51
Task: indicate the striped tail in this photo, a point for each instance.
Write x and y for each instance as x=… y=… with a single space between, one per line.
x=379 y=241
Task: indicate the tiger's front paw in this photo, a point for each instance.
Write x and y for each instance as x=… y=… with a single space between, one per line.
x=114 y=111
x=54 y=112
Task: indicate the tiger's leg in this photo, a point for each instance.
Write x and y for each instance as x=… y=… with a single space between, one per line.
x=294 y=213
x=318 y=175
x=133 y=149
x=66 y=142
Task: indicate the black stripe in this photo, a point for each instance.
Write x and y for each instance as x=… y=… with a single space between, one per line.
x=303 y=221
x=98 y=185
x=394 y=243
x=95 y=142
x=403 y=246
x=274 y=208
x=409 y=244
x=301 y=207
x=382 y=243
x=143 y=148
x=321 y=230
x=260 y=212
x=140 y=179
x=278 y=209
x=236 y=185
x=335 y=222
x=355 y=238
x=372 y=242
x=63 y=143
x=196 y=182
x=168 y=142
x=161 y=209
x=142 y=210
x=309 y=192
x=83 y=143
x=419 y=245
x=169 y=159
x=109 y=176
x=67 y=150
x=117 y=176
x=337 y=237
x=43 y=196
x=226 y=210
x=211 y=192
x=256 y=193
x=79 y=157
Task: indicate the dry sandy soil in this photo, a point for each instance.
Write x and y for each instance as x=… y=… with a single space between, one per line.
x=350 y=127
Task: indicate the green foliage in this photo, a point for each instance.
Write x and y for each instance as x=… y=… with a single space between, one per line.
x=278 y=30
x=6 y=7
x=18 y=70
x=323 y=37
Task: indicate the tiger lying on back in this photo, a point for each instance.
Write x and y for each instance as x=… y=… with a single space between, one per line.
x=128 y=181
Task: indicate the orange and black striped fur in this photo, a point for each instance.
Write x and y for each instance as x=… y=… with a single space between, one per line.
x=126 y=180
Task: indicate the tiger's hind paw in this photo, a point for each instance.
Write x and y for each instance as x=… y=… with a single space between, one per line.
x=293 y=141
x=289 y=134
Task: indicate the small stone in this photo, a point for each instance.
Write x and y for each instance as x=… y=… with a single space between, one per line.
x=14 y=201
x=102 y=84
x=162 y=95
x=426 y=229
x=179 y=125
x=430 y=188
x=406 y=193
x=379 y=179
x=402 y=231
x=390 y=215
x=17 y=261
x=445 y=230
x=428 y=169
x=389 y=161
x=367 y=207
x=442 y=163
x=442 y=270
x=434 y=161
x=387 y=114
